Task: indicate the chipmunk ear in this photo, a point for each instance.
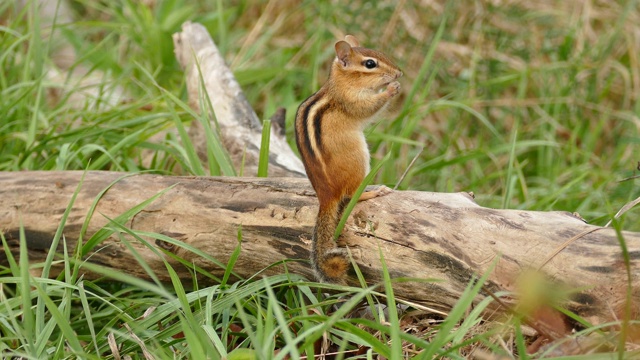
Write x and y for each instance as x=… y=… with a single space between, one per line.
x=352 y=41
x=343 y=51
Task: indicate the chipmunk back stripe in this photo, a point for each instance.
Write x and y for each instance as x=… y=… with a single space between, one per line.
x=305 y=123
x=317 y=126
x=318 y=105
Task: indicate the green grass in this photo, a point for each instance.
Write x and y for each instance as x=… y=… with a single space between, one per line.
x=530 y=106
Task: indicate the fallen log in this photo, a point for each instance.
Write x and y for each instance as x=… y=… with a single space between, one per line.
x=422 y=235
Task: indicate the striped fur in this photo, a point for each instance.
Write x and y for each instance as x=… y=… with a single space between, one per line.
x=329 y=134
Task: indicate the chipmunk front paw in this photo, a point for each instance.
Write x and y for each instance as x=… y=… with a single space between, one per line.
x=393 y=89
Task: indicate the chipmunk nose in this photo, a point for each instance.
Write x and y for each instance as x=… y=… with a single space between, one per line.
x=399 y=74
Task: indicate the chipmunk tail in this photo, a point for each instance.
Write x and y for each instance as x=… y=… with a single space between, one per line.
x=330 y=263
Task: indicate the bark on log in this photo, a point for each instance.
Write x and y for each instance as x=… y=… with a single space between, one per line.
x=422 y=235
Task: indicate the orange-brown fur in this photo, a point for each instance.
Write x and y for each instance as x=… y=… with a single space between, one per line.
x=337 y=161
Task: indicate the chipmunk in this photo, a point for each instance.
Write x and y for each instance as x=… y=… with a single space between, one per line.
x=330 y=138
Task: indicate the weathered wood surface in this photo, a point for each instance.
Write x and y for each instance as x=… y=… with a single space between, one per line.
x=422 y=235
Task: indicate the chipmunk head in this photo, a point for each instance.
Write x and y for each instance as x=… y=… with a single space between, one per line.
x=365 y=68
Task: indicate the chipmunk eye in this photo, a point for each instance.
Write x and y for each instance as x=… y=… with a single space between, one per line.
x=369 y=64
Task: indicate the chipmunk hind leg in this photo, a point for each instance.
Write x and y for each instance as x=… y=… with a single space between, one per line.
x=330 y=263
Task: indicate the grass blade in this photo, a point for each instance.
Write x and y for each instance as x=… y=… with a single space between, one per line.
x=232 y=259
x=263 y=162
x=62 y=321
x=28 y=318
x=394 y=321
x=509 y=181
x=104 y=233
x=354 y=200
x=466 y=299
